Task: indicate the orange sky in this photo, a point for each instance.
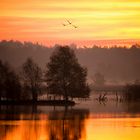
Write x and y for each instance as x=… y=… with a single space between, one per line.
x=41 y=20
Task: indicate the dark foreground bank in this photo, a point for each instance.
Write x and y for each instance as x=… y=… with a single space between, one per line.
x=40 y=102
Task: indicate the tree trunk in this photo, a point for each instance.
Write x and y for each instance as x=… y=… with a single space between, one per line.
x=66 y=96
x=65 y=93
x=34 y=94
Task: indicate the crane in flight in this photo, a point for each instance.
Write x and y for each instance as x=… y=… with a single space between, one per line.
x=75 y=26
x=64 y=24
x=70 y=23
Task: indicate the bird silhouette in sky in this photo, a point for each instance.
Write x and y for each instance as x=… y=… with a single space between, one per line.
x=70 y=23
x=75 y=26
x=64 y=24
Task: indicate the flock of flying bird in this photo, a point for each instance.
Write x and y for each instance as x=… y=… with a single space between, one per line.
x=70 y=23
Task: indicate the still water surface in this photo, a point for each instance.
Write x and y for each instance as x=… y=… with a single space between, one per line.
x=85 y=121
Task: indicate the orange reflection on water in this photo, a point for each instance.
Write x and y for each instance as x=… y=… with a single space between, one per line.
x=27 y=130
x=113 y=129
x=51 y=128
x=71 y=127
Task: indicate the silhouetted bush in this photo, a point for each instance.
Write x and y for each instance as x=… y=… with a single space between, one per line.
x=132 y=92
x=10 y=87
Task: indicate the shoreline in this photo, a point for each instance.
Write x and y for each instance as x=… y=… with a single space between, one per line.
x=39 y=102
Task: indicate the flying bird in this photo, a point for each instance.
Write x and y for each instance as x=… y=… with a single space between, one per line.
x=64 y=24
x=69 y=21
x=70 y=24
x=75 y=26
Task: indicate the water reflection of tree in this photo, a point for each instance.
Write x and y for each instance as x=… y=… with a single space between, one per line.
x=132 y=107
x=11 y=112
x=58 y=125
x=68 y=125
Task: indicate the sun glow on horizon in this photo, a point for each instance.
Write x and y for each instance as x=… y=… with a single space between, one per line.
x=41 y=20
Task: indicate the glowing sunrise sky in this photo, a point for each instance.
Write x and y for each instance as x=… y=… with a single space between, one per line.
x=41 y=21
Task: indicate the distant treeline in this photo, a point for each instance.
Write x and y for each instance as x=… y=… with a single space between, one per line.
x=117 y=64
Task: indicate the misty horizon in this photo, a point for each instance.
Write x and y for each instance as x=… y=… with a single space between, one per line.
x=119 y=65
x=108 y=43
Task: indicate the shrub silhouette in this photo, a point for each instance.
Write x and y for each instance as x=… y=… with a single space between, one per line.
x=10 y=87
